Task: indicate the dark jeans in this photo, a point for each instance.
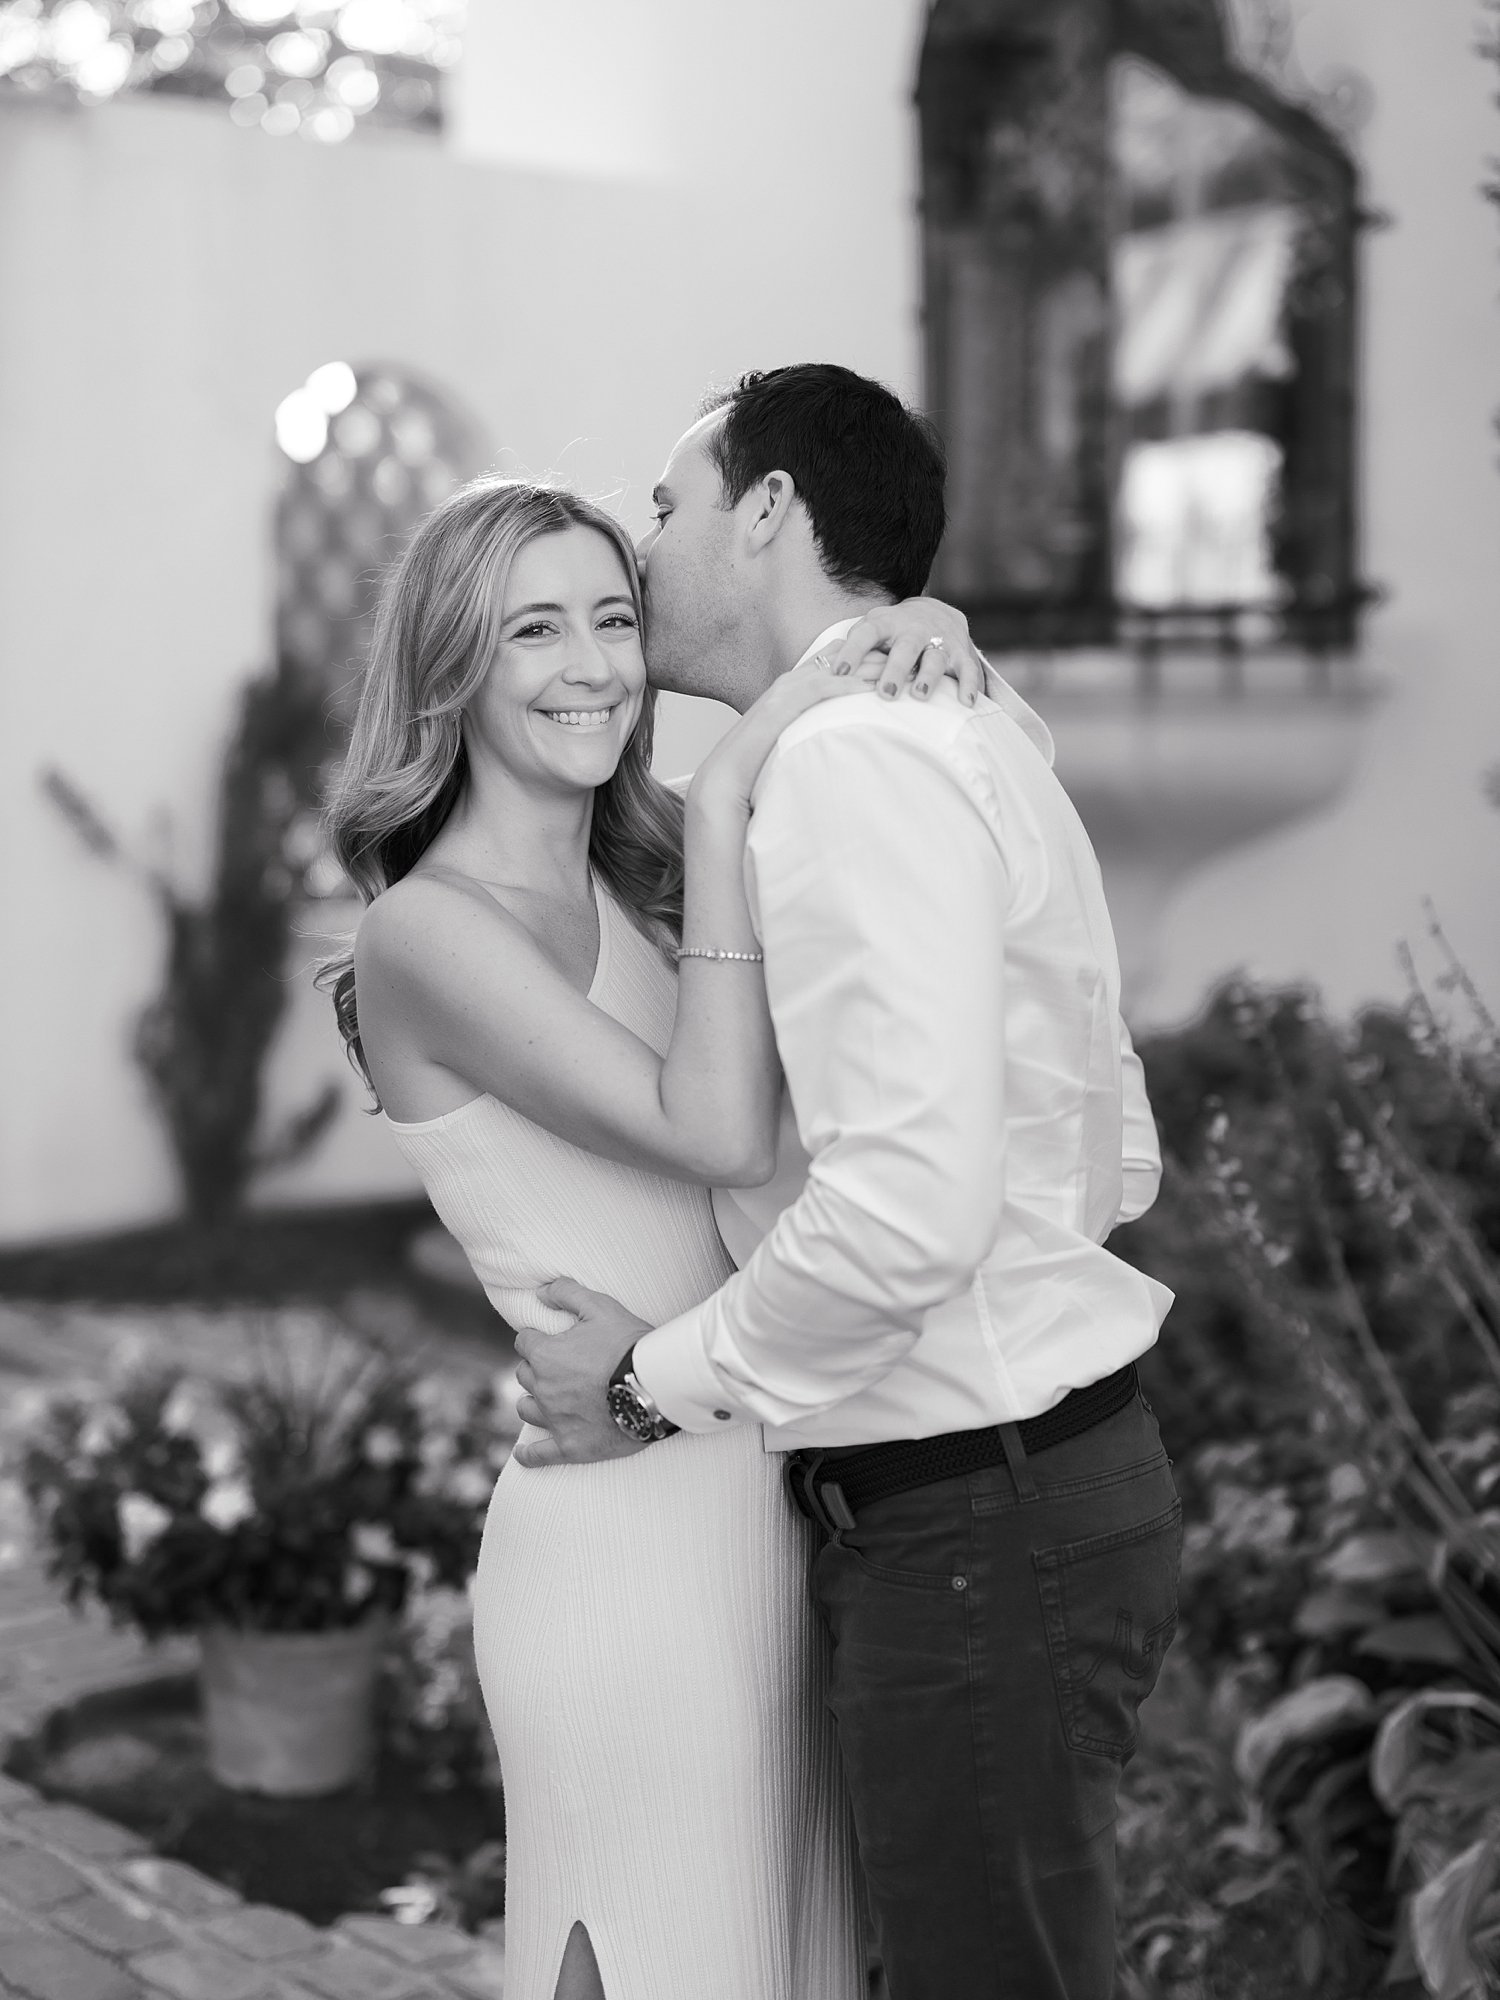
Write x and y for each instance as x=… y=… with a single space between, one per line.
x=994 y=1636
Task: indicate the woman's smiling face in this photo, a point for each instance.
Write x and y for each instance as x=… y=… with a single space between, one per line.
x=564 y=691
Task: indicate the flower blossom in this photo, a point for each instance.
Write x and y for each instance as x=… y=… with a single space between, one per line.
x=421 y=1568
x=382 y=1445
x=435 y=1451
x=221 y=1457
x=102 y=1431
x=374 y=1543
x=179 y=1413
x=228 y=1502
x=142 y=1523
x=470 y=1484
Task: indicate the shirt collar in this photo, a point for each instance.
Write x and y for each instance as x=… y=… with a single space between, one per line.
x=840 y=629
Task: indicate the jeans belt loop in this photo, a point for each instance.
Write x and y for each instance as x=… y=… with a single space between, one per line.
x=805 y=1471
x=826 y=1506
x=1016 y=1459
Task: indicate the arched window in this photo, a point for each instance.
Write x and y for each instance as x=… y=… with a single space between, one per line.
x=372 y=450
x=1139 y=271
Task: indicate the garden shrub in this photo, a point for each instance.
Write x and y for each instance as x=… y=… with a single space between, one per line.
x=1330 y=1382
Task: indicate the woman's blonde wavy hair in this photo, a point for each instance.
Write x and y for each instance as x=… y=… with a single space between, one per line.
x=436 y=632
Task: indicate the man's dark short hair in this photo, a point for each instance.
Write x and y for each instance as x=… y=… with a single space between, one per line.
x=869 y=471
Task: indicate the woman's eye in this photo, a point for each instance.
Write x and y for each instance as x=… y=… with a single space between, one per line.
x=536 y=631
x=624 y=618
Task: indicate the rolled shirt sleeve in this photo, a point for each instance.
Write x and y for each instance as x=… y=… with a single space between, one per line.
x=882 y=896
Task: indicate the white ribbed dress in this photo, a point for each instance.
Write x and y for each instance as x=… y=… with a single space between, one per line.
x=650 y=1659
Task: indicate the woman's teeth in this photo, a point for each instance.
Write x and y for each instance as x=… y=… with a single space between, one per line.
x=580 y=718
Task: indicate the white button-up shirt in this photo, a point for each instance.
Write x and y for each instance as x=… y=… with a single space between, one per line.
x=966 y=1120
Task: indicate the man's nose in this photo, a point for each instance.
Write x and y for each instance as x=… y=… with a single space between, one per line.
x=643 y=550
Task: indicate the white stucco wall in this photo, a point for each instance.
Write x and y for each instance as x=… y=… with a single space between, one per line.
x=168 y=278
x=638 y=200
x=788 y=138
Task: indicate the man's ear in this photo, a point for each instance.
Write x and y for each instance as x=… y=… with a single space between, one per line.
x=769 y=506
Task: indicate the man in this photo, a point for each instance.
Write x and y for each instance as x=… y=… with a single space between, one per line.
x=924 y=1320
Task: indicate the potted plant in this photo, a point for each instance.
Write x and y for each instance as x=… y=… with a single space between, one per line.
x=284 y=1517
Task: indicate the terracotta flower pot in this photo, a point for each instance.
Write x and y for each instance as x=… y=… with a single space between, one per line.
x=290 y=1713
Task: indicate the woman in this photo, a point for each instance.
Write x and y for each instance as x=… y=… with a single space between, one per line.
x=675 y=1819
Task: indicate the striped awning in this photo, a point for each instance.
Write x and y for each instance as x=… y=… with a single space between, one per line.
x=1200 y=303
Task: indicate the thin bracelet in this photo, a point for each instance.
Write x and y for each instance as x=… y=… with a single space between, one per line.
x=740 y=957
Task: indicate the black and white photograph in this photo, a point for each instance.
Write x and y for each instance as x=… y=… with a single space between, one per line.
x=750 y=1034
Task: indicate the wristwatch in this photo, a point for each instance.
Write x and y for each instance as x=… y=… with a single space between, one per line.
x=633 y=1407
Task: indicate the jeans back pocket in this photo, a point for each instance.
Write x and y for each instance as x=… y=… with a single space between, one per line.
x=1110 y=1609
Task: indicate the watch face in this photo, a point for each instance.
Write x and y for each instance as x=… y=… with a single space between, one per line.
x=631 y=1414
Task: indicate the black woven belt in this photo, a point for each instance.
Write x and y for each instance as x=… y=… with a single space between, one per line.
x=883 y=1469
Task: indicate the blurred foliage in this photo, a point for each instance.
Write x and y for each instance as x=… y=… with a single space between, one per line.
x=1319 y=1166
x=1330 y=1379
x=282 y=65
x=204 y=1041
x=468 y=1892
x=432 y=1706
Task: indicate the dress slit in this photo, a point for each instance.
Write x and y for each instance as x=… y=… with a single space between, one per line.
x=579 y=1929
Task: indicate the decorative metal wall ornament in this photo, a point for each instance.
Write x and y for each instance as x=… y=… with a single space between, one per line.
x=372 y=450
x=1057 y=250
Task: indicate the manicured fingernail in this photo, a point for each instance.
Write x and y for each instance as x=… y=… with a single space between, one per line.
x=842 y=667
x=921 y=690
x=888 y=689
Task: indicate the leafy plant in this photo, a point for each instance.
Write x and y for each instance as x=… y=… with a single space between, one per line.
x=327 y=1484
x=204 y=1040
x=1343 y=1177
x=1342 y=1569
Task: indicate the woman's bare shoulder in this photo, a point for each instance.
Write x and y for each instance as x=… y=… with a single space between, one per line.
x=423 y=913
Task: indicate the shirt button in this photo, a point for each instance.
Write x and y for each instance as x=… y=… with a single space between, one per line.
x=960 y=1583
x=723 y=1416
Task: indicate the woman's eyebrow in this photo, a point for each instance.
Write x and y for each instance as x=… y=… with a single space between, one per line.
x=530 y=610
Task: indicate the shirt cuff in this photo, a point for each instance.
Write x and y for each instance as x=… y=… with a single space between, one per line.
x=671 y=1365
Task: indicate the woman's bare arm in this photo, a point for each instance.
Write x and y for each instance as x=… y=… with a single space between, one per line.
x=448 y=978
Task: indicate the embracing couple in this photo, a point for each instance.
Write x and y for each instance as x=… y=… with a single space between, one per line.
x=787 y=1117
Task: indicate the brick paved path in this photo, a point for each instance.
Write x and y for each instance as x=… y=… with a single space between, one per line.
x=87 y=1912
